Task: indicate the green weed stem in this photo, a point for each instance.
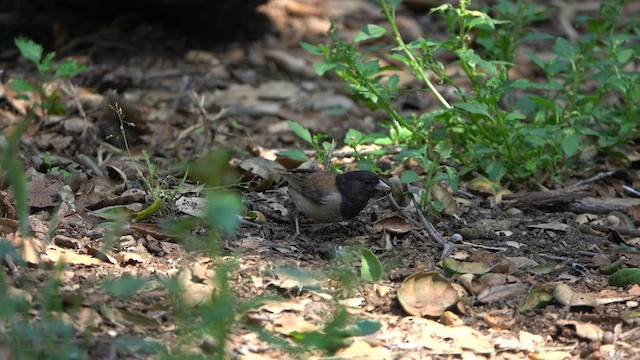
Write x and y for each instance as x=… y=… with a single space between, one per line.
x=415 y=64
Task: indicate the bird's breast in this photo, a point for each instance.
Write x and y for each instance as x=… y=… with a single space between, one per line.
x=327 y=212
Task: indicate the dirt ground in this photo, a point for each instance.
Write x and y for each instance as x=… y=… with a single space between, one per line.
x=249 y=89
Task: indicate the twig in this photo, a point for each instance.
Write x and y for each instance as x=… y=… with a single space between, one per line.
x=591 y=179
x=631 y=190
x=207 y=121
x=426 y=225
x=619 y=230
x=495 y=248
x=72 y=91
x=397 y=208
x=89 y=164
x=249 y=223
x=327 y=160
x=184 y=85
x=208 y=131
x=447 y=246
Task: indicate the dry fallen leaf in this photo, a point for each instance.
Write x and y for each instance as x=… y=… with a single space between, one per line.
x=501 y=292
x=195 y=290
x=442 y=194
x=54 y=255
x=426 y=294
x=29 y=248
x=261 y=173
x=362 y=350
x=394 y=224
x=584 y=330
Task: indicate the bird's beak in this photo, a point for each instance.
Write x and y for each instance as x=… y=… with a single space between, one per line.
x=382 y=186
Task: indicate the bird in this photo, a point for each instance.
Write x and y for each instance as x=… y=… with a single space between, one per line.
x=327 y=197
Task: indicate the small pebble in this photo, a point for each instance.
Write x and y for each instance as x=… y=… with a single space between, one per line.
x=613 y=221
x=513 y=211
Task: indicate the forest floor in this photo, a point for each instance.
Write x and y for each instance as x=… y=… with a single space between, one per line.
x=536 y=240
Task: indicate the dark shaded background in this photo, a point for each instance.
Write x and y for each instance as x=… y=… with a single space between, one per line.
x=67 y=26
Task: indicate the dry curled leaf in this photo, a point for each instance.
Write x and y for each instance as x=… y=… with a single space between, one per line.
x=426 y=294
x=393 y=224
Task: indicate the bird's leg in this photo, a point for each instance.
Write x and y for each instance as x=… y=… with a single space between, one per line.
x=296 y=215
x=297 y=233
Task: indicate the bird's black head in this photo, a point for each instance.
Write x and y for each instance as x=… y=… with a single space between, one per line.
x=356 y=188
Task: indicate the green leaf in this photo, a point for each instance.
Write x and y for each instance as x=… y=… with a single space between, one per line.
x=443 y=149
x=452 y=266
x=409 y=176
x=332 y=337
x=452 y=176
x=496 y=171
x=520 y=84
x=540 y=100
x=571 y=142
x=68 y=69
x=514 y=116
x=371 y=269
x=625 y=277
x=400 y=58
x=480 y=18
x=364 y=327
x=353 y=137
x=625 y=55
x=544 y=268
x=6 y=248
x=473 y=108
x=323 y=67
x=17 y=176
x=303 y=133
x=294 y=154
x=371 y=67
x=564 y=49
x=394 y=4
x=22 y=85
x=438 y=206
x=608 y=269
x=45 y=67
x=440 y=8
x=222 y=211
x=124 y=287
x=29 y=49
x=535 y=36
x=469 y=57
x=392 y=83
x=535 y=299
x=370 y=31
x=310 y=48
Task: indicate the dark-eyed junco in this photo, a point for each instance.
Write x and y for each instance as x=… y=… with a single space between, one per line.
x=329 y=197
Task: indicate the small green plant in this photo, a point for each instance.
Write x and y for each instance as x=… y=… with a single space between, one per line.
x=54 y=169
x=590 y=92
x=371 y=268
x=48 y=71
x=336 y=334
x=11 y=165
x=318 y=141
x=505 y=127
x=51 y=336
x=157 y=189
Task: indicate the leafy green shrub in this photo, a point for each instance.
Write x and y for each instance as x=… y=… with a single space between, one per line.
x=47 y=71
x=498 y=125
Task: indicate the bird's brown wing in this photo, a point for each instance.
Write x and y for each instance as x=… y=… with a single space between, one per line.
x=316 y=186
